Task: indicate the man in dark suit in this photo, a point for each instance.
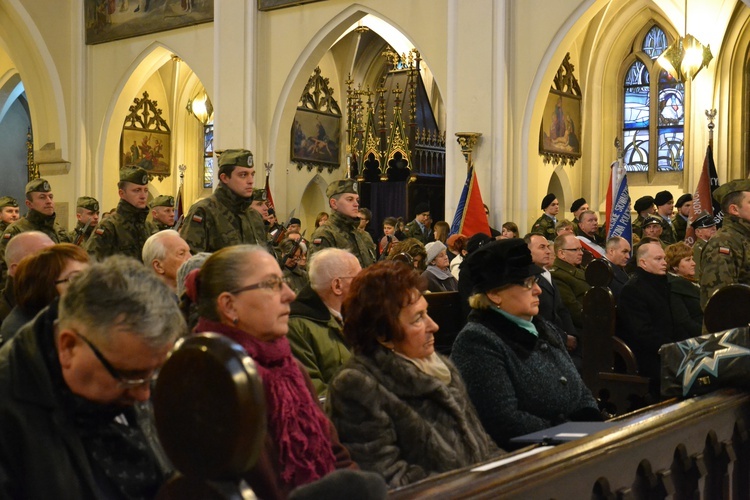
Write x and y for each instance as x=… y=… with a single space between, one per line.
x=618 y=254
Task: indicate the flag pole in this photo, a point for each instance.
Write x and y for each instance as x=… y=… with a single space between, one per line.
x=711 y=116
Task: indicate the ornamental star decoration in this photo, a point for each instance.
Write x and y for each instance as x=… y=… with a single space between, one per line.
x=704 y=353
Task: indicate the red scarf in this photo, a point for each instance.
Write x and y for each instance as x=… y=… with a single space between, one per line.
x=299 y=427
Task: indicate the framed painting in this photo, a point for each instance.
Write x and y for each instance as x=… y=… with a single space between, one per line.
x=107 y=20
x=316 y=138
x=561 y=125
x=280 y=4
x=148 y=149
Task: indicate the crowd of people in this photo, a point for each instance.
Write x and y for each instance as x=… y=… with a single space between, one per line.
x=338 y=327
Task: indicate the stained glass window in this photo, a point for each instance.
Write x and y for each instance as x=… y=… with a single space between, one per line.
x=208 y=155
x=653 y=110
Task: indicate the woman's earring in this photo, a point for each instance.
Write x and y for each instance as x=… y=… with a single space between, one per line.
x=235 y=321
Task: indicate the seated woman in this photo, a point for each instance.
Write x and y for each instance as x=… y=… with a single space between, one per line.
x=400 y=408
x=437 y=274
x=241 y=294
x=39 y=280
x=413 y=248
x=517 y=371
x=291 y=254
x=685 y=292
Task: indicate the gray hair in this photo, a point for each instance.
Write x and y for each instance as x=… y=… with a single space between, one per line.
x=614 y=242
x=194 y=262
x=154 y=248
x=327 y=265
x=120 y=293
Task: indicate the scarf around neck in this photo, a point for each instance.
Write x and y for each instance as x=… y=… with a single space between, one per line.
x=298 y=426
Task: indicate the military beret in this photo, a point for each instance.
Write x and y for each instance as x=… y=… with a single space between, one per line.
x=8 y=201
x=271 y=211
x=643 y=203
x=704 y=220
x=683 y=199
x=499 y=263
x=577 y=204
x=342 y=186
x=259 y=194
x=38 y=186
x=421 y=208
x=136 y=175
x=731 y=187
x=162 y=201
x=88 y=203
x=547 y=200
x=662 y=198
x=295 y=220
x=235 y=158
x=651 y=219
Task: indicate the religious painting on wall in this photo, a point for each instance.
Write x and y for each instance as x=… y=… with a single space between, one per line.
x=316 y=130
x=145 y=139
x=107 y=20
x=279 y=4
x=560 y=132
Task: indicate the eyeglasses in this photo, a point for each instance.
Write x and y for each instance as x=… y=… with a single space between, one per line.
x=124 y=382
x=529 y=282
x=580 y=250
x=274 y=284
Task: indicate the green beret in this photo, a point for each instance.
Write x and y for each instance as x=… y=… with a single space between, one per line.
x=731 y=187
x=259 y=195
x=8 y=201
x=136 y=175
x=342 y=186
x=88 y=203
x=163 y=201
x=235 y=158
x=38 y=186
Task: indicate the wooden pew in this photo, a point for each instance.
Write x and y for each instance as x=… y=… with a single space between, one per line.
x=728 y=307
x=697 y=448
x=445 y=309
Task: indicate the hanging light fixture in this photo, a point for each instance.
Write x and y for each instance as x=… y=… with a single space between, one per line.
x=201 y=108
x=686 y=56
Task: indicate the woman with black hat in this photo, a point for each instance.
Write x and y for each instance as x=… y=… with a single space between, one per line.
x=517 y=371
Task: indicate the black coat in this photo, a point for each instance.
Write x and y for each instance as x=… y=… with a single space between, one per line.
x=552 y=309
x=685 y=300
x=619 y=280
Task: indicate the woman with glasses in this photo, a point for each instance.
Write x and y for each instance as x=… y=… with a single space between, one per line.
x=291 y=254
x=39 y=280
x=400 y=408
x=241 y=293
x=517 y=371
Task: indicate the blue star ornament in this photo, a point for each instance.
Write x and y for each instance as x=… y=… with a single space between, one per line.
x=703 y=354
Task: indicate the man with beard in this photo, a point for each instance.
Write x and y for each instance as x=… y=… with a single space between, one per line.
x=126 y=231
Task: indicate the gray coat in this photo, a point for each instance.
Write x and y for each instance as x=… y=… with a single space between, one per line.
x=402 y=423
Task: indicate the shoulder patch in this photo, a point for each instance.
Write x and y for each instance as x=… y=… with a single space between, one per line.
x=6 y=236
x=197 y=219
x=725 y=251
x=99 y=231
x=317 y=241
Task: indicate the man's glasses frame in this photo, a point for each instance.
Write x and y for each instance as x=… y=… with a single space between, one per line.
x=125 y=382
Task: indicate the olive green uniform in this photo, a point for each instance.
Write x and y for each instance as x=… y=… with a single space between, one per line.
x=698 y=247
x=156 y=226
x=667 y=231
x=297 y=277
x=221 y=220
x=545 y=225
x=638 y=226
x=33 y=221
x=341 y=232
x=124 y=232
x=726 y=257
x=76 y=233
x=413 y=230
x=680 y=227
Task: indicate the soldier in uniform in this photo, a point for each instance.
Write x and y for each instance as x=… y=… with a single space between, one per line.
x=705 y=228
x=664 y=207
x=577 y=208
x=162 y=210
x=684 y=206
x=644 y=206
x=726 y=256
x=546 y=223
x=126 y=231
x=341 y=229
x=8 y=212
x=224 y=218
x=418 y=227
x=87 y=213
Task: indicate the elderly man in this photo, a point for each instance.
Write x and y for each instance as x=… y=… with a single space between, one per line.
x=618 y=254
x=644 y=206
x=87 y=215
x=162 y=211
x=75 y=384
x=684 y=207
x=652 y=228
x=568 y=276
x=644 y=314
x=126 y=231
x=8 y=212
x=418 y=228
x=705 y=228
x=588 y=234
x=223 y=219
x=546 y=223
x=726 y=256
x=21 y=246
x=164 y=252
x=341 y=229
x=315 y=321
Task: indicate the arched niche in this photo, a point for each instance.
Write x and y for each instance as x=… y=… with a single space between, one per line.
x=312 y=202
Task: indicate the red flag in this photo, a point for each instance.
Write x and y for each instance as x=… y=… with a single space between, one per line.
x=470 y=218
x=701 y=198
x=269 y=198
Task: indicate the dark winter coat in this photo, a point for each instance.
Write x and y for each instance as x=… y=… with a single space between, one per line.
x=685 y=299
x=402 y=423
x=571 y=282
x=519 y=383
